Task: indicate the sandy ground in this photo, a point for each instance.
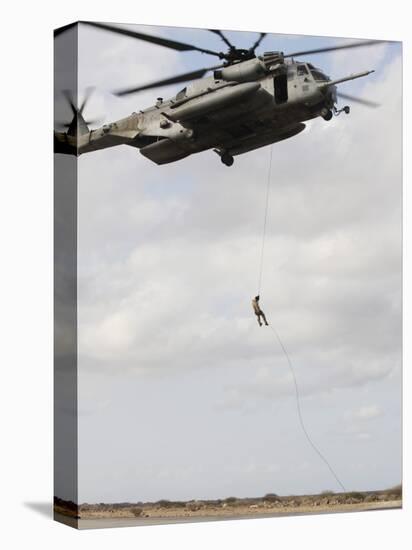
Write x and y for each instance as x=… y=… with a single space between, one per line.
x=238 y=512
x=90 y=516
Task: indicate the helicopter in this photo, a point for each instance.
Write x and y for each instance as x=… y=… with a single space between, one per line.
x=249 y=101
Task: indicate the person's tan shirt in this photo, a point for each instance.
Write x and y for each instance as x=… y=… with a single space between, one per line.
x=256 y=306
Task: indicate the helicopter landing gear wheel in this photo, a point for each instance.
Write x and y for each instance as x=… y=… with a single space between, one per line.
x=327 y=115
x=227 y=159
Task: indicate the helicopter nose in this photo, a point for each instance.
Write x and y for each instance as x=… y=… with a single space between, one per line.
x=333 y=94
x=329 y=94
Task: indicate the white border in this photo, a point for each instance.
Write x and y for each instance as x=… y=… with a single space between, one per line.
x=26 y=274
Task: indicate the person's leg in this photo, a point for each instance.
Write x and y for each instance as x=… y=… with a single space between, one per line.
x=264 y=318
x=258 y=318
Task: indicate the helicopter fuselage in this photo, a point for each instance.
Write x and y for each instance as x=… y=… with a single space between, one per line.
x=242 y=107
x=232 y=117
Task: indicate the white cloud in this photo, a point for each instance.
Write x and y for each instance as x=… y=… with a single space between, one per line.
x=367 y=412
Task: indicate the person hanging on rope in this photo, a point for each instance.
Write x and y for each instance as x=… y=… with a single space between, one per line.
x=258 y=312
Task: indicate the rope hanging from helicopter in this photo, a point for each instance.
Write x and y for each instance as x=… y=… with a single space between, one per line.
x=262 y=250
x=280 y=342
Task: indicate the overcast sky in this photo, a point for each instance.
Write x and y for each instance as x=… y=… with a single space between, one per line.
x=181 y=394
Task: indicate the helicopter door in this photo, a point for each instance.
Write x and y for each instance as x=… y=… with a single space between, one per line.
x=280 y=83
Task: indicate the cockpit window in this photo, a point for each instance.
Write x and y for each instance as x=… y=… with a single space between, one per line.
x=319 y=76
x=181 y=94
x=302 y=70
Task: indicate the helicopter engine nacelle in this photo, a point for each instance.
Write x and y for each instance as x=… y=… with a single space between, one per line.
x=252 y=69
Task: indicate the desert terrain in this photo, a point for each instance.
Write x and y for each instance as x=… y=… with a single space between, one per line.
x=230 y=508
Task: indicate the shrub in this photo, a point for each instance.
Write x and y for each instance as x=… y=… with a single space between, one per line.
x=178 y=504
x=137 y=512
x=355 y=495
x=396 y=491
x=165 y=503
x=194 y=506
x=271 y=497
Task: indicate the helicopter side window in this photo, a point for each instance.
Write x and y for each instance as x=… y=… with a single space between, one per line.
x=302 y=70
x=181 y=94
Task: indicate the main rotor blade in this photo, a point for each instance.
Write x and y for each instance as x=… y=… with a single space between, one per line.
x=258 y=41
x=173 y=80
x=166 y=42
x=365 y=102
x=334 y=48
x=222 y=36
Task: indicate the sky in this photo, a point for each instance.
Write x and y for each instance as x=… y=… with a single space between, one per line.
x=181 y=394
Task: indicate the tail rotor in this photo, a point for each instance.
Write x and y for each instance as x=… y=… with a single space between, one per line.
x=78 y=125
